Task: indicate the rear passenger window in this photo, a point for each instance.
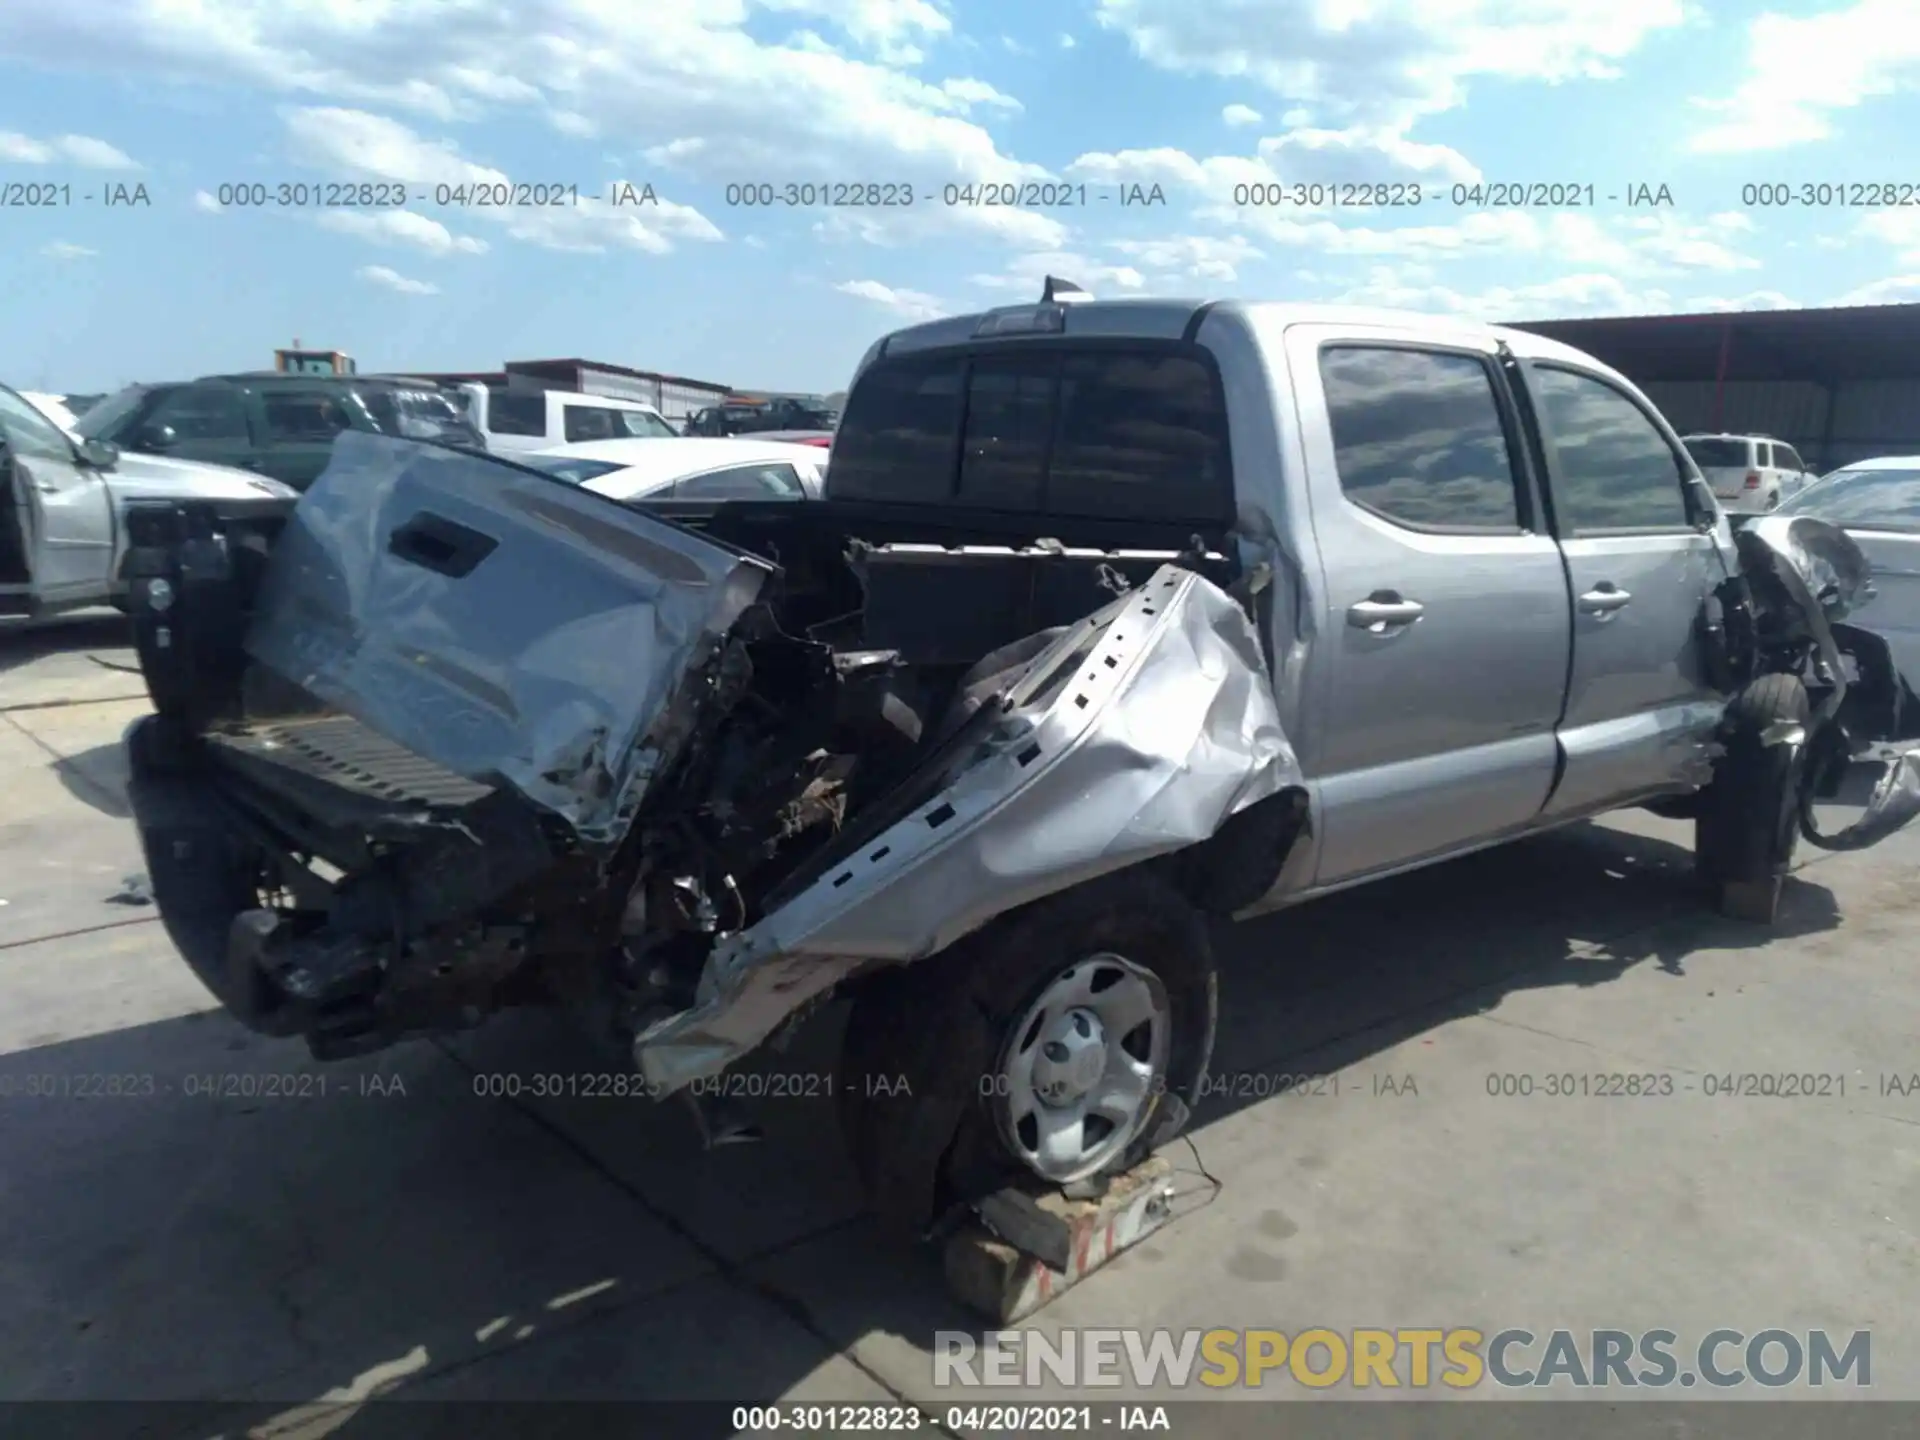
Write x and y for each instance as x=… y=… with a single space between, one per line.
x=303 y=418
x=1617 y=471
x=1009 y=418
x=1417 y=437
x=514 y=414
x=896 y=440
x=590 y=422
x=1140 y=437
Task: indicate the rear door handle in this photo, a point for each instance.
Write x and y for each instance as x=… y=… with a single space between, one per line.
x=1604 y=599
x=1383 y=610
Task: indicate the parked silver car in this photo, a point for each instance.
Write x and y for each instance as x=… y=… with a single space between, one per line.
x=1877 y=502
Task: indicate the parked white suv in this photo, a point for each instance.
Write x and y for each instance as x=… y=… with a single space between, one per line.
x=1748 y=472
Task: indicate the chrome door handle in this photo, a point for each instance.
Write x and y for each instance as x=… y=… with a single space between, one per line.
x=1604 y=599
x=1381 y=611
x=46 y=487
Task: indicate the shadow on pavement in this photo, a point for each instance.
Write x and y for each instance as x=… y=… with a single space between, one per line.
x=22 y=643
x=510 y=1229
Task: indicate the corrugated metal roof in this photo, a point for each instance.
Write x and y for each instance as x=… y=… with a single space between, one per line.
x=1854 y=342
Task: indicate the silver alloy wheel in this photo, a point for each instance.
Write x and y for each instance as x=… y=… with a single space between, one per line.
x=1083 y=1067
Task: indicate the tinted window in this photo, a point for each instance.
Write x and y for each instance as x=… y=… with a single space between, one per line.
x=1865 y=499
x=639 y=425
x=590 y=422
x=30 y=433
x=1788 y=457
x=1417 y=437
x=1765 y=460
x=742 y=482
x=202 y=412
x=897 y=440
x=107 y=420
x=419 y=415
x=1616 y=470
x=1718 y=454
x=299 y=418
x=1010 y=400
x=1141 y=436
x=510 y=413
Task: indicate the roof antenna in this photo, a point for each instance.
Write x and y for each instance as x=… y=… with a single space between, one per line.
x=1063 y=292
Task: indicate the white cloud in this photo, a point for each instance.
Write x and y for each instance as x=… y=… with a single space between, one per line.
x=401 y=227
x=1388 y=61
x=1067 y=42
x=1238 y=115
x=1586 y=293
x=911 y=305
x=969 y=93
x=66 y=250
x=829 y=101
x=1027 y=273
x=1640 y=246
x=1754 y=300
x=1898 y=228
x=82 y=150
x=394 y=280
x=1199 y=257
x=1894 y=290
x=355 y=142
x=569 y=122
x=208 y=201
x=1801 y=68
x=1302 y=156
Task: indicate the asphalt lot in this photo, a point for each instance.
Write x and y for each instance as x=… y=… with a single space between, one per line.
x=398 y=1230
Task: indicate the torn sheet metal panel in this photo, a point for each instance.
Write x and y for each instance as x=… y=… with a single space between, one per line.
x=1826 y=575
x=1138 y=732
x=550 y=673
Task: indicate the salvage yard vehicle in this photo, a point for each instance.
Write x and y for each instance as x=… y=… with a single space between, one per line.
x=62 y=536
x=1748 y=473
x=279 y=425
x=688 y=468
x=522 y=421
x=1114 y=616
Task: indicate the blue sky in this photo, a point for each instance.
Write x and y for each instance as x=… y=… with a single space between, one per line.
x=1213 y=101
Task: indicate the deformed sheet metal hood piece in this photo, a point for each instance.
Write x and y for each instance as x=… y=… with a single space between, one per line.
x=1138 y=732
x=532 y=634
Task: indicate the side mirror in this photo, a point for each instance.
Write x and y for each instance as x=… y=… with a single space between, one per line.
x=99 y=454
x=158 y=437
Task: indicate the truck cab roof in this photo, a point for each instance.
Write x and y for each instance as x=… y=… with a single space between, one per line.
x=1176 y=319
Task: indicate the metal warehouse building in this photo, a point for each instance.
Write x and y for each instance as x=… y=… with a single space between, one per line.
x=1838 y=385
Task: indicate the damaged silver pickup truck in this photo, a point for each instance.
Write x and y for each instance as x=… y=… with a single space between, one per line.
x=1116 y=616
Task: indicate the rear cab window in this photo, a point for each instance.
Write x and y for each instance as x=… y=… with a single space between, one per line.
x=511 y=412
x=1106 y=431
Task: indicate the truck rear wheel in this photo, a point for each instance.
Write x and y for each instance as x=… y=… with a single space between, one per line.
x=1747 y=826
x=1062 y=1043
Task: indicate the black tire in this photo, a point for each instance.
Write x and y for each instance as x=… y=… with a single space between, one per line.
x=923 y=1040
x=1748 y=822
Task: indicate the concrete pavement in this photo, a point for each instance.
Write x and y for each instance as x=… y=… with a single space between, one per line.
x=193 y=1212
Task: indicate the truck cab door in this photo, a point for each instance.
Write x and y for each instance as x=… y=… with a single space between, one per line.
x=1441 y=664
x=60 y=515
x=1644 y=554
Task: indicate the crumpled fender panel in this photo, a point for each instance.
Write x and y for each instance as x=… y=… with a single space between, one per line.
x=1827 y=578
x=1163 y=727
x=503 y=624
